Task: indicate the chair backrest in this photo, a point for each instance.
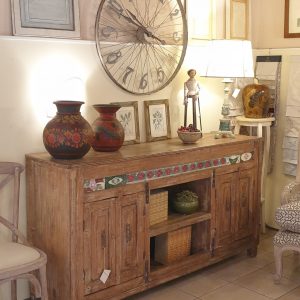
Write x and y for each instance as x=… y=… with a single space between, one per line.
x=10 y=173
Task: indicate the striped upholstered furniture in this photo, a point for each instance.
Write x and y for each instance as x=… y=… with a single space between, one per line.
x=287 y=217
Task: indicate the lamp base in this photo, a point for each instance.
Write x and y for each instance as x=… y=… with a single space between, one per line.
x=224 y=129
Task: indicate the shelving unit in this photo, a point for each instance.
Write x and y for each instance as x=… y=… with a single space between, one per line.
x=86 y=225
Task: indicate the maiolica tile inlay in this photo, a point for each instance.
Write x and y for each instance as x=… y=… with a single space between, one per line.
x=92 y=185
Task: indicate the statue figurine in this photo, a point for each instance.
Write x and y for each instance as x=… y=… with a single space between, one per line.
x=191 y=86
x=191 y=90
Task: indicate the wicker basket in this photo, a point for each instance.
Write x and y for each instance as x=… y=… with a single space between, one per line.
x=158 y=203
x=173 y=246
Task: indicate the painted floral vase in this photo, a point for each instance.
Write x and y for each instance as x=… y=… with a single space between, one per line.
x=256 y=98
x=109 y=132
x=68 y=135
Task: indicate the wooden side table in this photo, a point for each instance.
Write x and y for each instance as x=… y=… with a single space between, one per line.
x=259 y=124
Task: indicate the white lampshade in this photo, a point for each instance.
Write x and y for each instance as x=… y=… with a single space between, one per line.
x=228 y=59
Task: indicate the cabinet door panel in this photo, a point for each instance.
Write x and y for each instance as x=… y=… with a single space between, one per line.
x=225 y=199
x=132 y=240
x=244 y=206
x=99 y=244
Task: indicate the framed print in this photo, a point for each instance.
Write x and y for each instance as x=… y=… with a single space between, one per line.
x=157 y=119
x=237 y=19
x=46 y=18
x=292 y=19
x=200 y=16
x=128 y=115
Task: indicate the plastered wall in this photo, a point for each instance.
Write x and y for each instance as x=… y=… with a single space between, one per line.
x=32 y=72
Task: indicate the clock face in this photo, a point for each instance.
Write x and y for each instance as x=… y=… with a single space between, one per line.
x=141 y=43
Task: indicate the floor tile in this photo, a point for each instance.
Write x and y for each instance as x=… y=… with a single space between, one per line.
x=232 y=271
x=165 y=292
x=261 y=281
x=200 y=285
x=266 y=244
x=291 y=267
x=233 y=292
x=293 y=295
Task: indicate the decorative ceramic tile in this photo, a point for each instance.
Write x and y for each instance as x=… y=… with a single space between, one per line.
x=91 y=185
x=115 y=181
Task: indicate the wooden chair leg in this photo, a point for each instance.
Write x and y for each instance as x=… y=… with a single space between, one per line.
x=43 y=281
x=278 y=264
x=13 y=290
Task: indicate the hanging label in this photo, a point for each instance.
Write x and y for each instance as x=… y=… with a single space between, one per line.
x=104 y=276
x=236 y=93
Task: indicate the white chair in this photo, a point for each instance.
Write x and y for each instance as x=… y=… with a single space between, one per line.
x=18 y=260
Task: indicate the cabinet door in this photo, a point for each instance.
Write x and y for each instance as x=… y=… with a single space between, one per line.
x=131 y=245
x=99 y=244
x=244 y=204
x=225 y=199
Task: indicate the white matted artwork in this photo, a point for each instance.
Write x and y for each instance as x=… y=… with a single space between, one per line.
x=292 y=19
x=129 y=117
x=157 y=119
x=237 y=15
x=46 y=18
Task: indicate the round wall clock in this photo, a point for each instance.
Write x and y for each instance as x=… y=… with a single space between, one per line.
x=141 y=43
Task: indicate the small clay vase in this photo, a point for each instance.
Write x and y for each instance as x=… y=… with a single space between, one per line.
x=68 y=135
x=109 y=132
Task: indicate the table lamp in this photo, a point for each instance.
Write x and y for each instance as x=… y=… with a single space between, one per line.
x=228 y=59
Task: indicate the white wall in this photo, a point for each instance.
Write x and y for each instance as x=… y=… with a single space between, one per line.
x=31 y=77
x=267 y=25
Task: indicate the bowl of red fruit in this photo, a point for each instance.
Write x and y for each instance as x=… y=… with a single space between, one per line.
x=189 y=134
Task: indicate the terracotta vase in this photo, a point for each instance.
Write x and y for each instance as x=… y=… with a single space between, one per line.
x=256 y=98
x=109 y=132
x=68 y=135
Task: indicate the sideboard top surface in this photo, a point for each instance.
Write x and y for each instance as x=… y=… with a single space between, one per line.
x=143 y=150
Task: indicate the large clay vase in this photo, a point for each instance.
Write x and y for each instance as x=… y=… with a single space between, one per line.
x=109 y=132
x=68 y=135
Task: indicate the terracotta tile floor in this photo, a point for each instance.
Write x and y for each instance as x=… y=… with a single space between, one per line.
x=238 y=278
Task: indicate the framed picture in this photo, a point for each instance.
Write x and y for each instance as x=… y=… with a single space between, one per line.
x=157 y=119
x=200 y=16
x=237 y=18
x=46 y=18
x=128 y=115
x=292 y=19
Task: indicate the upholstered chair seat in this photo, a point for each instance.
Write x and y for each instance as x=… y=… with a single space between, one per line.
x=15 y=254
x=287 y=238
x=18 y=259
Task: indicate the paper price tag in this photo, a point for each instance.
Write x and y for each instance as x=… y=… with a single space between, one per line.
x=104 y=276
x=236 y=93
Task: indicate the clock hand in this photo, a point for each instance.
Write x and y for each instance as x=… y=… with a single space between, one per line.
x=149 y=34
x=134 y=17
x=119 y=13
x=139 y=24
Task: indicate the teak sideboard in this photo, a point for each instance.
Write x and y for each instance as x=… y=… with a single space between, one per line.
x=92 y=214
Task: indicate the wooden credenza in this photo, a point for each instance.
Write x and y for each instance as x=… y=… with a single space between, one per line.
x=92 y=214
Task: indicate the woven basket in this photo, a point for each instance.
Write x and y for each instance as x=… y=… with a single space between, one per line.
x=173 y=245
x=158 y=203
